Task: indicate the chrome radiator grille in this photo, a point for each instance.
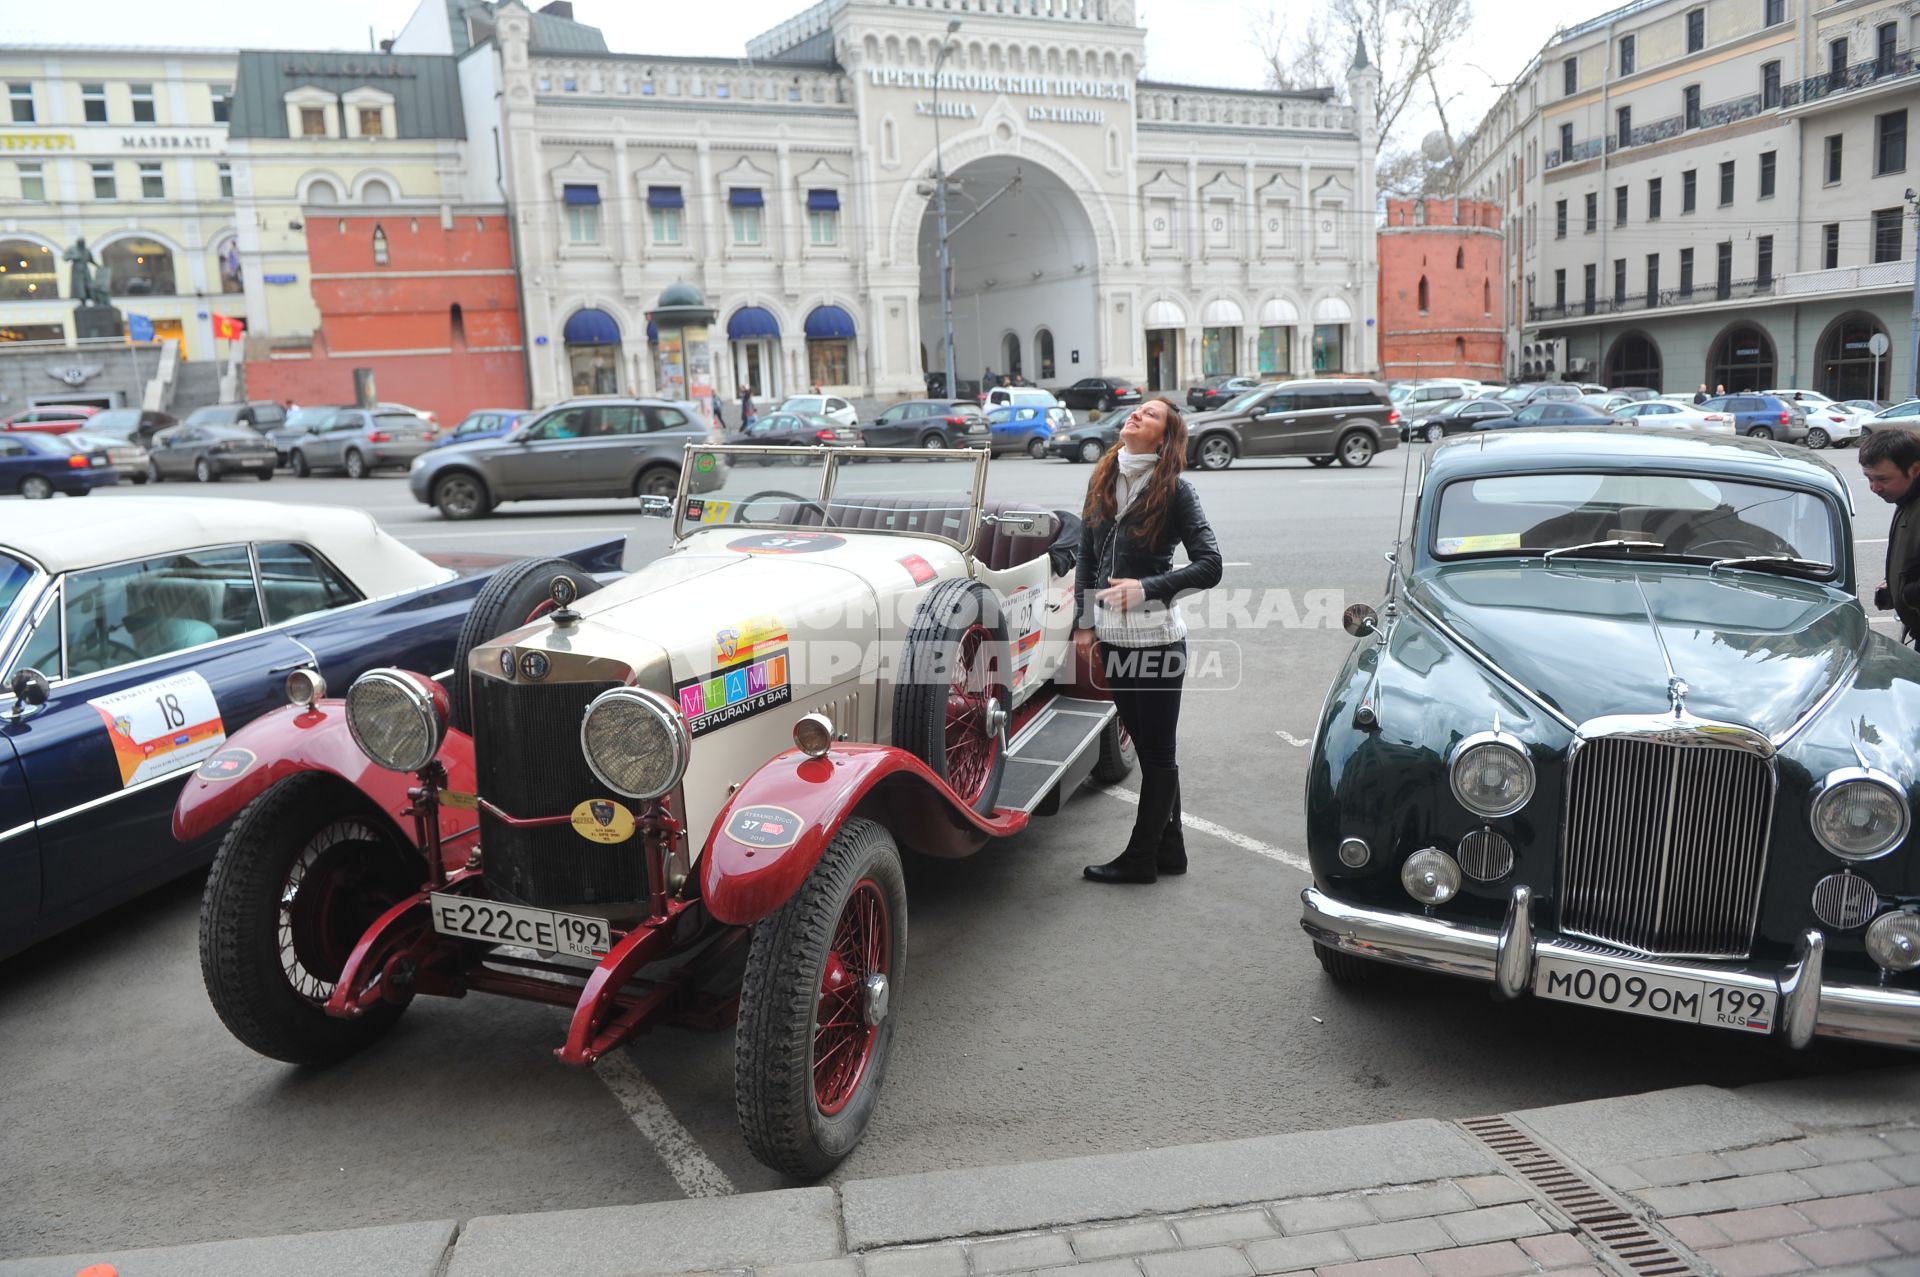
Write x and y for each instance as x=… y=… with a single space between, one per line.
x=1665 y=845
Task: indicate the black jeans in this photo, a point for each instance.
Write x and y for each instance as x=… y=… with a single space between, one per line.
x=1145 y=682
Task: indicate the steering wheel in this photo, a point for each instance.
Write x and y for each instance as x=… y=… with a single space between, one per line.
x=110 y=652
x=805 y=503
x=1739 y=546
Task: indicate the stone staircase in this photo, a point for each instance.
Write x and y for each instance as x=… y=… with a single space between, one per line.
x=197 y=385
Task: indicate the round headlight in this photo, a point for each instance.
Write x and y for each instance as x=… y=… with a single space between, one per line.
x=395 y=720
x=1491 y=774
x=1893 y=940
x=305 y=686
x=813 y=734
x=1859 y=814
x=636 y=742
x=1354 y=852
x=1431 y=876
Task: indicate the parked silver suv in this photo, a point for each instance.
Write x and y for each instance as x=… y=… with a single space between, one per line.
x=359 y=441
x=603 y=446
x=1343 y=419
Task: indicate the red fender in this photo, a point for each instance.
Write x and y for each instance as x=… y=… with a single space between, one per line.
x=292 y=740
x=748 y=870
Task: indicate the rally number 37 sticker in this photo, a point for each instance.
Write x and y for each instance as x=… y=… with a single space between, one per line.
x=162 y=726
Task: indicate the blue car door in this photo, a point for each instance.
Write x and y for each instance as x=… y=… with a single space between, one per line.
x=18 y=459
x=162 y=659
x=19 y=847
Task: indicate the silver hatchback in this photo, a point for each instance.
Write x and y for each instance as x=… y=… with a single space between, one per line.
x=360 y=441
x=601 y=447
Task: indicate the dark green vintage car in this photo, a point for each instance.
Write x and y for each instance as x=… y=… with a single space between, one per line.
x=1621 y=735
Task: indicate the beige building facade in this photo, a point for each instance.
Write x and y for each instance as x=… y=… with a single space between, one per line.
x=1100 y=223
x=129 y=150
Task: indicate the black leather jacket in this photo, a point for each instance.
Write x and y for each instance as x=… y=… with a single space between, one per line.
x=1118 y=550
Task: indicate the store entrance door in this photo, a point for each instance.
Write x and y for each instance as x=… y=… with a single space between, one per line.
x=1163 y=359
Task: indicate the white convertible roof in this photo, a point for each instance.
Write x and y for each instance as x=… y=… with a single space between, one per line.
x=65 y=534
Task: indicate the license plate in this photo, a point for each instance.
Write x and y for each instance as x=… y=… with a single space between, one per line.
x=1599 y=983
x=97 y=461
x=541 y=929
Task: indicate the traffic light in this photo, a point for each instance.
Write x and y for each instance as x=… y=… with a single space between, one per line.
x=1542 y=360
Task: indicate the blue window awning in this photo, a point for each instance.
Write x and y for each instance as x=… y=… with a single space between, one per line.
x=592 y=328
x=826 y=323
x=580 y=194
x=664 y=197
x=745 y=197
x=823 y=201
x=752 y=321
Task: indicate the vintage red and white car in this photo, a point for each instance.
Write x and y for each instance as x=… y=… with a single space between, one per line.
x=624 y=793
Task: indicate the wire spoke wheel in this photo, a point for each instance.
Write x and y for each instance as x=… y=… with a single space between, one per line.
x=853 y=987
x=972 y=738
x=333 y=892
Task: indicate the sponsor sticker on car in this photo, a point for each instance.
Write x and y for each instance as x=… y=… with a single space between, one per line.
x=714 y=701
x=162 y=726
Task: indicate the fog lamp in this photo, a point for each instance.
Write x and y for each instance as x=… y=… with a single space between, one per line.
x=1491 y=774
x=1893 y=940
x=636 y=742
x=1354 y=852
x=395 y=719
x=1432 y=876
x=1859 y=814
x=304 y=687
x=814 y=735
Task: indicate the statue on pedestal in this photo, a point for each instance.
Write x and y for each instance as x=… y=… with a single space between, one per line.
x=88 y=279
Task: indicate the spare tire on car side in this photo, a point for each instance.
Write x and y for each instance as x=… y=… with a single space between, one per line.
x=518 y=593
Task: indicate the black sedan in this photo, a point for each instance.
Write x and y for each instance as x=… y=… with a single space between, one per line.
x=137 y=424
x=928 y=423
x=794 y=430
x=1217 y=392
x=1088 y=443
x=209 y=453
x=1547 y=412
x=1453 y=417
x=1104 y=393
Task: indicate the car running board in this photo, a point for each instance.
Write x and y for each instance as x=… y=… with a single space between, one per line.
x=1053 y=754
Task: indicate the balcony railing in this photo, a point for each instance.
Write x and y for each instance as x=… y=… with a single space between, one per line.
x=1890 y=276
x=1858 y=76
x=1728 y=112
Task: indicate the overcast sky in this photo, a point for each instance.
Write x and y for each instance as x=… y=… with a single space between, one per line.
x=1199 y=42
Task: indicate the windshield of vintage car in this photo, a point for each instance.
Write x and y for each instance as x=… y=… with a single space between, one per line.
x=788 y=488
x=1662 y=516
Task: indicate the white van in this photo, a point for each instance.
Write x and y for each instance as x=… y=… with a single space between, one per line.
x=1022 y=395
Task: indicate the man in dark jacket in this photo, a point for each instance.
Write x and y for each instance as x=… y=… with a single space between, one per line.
x=1891 y=461
x=1700 y=395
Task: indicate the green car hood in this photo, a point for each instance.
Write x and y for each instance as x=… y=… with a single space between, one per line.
x=1592 y=639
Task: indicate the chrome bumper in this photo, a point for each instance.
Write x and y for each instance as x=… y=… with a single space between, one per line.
x=1504 y=957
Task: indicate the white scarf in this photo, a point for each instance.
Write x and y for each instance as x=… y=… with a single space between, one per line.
x=1130 y=477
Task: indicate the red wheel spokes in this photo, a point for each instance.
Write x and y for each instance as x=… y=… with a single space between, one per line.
x=842 y=1038
x=971 y=746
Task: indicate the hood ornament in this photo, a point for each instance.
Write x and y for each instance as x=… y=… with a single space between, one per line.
x=1677 y=695
x=563 y=591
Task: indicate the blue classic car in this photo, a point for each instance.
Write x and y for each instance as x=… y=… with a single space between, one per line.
x=137 y=636
x=1621 y=735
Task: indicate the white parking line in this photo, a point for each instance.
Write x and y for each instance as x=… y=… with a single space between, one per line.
x=1293 y=740
x=1221 y=832
x=690 y=1167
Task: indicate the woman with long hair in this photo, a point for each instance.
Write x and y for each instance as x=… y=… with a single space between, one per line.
x=1137 y=509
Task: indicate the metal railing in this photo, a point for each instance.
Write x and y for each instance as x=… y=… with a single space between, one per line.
x=1858 y=76
x=1731 y=111
x=1635 y=302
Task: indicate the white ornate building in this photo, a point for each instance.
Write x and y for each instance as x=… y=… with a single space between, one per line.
x=1102 y=223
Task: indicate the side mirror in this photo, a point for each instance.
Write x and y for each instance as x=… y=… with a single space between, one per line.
x=656 y=507
x=1359 y=620
x=30 y=691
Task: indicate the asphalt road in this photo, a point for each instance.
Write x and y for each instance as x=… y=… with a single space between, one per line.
x=1040 y=1016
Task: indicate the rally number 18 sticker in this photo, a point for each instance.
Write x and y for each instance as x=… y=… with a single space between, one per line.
x=161 y=726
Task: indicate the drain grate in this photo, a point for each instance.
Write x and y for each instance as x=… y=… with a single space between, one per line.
x=1624 y=1237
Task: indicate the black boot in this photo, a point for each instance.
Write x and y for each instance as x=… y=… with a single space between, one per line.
x=1172 y=856
x=1136 y=864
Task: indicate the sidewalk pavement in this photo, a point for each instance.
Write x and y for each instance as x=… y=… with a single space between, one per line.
x=1802 y=1176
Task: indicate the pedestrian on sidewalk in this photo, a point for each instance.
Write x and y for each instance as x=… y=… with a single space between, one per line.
x=1891 y=461
x=747 y=413
x=1137 y=509
x=1700 y=395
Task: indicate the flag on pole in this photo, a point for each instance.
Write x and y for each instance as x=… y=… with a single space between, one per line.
x=139 y=327
x=228 y=328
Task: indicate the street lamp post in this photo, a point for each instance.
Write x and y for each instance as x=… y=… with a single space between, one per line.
x=940 y=205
